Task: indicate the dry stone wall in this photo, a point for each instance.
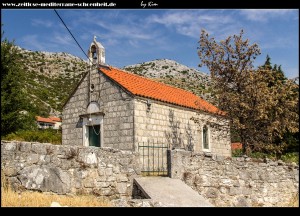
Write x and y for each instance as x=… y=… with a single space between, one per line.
x=69 y=169
x=224 y=181
x=237 y=181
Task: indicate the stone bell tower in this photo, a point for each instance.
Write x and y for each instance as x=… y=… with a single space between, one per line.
x=96 y=53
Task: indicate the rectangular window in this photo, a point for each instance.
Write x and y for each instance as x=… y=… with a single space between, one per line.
x=205 y=138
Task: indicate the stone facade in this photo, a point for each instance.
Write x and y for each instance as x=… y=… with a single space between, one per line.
x=69 y=169
x=172 y=125
x=115 y=104
x=237 y=181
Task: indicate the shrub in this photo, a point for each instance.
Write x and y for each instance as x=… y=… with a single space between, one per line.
x=287 y=157
x=43 y=136
x=291 y=157
x=237 y=153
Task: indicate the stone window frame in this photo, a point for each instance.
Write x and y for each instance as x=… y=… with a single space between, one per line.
x=208 y=138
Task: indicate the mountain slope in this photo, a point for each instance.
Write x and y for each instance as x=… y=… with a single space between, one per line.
x=49 y=79
x=172 y=73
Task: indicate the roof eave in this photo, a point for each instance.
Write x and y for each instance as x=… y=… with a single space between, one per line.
x=220 y=113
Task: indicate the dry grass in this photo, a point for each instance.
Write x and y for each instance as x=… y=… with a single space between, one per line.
x=10 y=198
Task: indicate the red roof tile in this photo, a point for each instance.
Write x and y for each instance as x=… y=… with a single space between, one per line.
x=55 y=119
x=141 y=86
x=236 y=145
x=42 y=119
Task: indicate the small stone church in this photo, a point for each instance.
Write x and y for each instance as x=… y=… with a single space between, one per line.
x=114 y=108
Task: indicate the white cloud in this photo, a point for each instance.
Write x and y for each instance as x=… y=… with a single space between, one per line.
x=279 y=42
x=62 y=39
x=115 y=25
x=45 y=23
x=190 y=22
x=55 y=43
x=127 y=34
x=263 y=15
x=32 y=42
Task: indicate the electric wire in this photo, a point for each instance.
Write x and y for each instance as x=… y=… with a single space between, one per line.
x=87 y=58
x=71 y=33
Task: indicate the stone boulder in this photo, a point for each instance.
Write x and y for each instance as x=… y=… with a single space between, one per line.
x=45 y=179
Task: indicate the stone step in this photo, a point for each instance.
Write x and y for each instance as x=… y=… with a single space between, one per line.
x=170 y=192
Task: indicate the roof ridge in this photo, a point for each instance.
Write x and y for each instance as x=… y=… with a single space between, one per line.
x=148 y=88
x=161 y=83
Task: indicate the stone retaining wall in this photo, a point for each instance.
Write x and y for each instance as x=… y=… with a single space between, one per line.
x=69 y=169
x=237 y=181
x=65 y=169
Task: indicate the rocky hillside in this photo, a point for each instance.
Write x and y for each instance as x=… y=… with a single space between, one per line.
x=173 y=73
x=51 y=77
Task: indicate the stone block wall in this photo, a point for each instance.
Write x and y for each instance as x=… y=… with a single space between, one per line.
x=109 y=172
x=69 y=169
x=114 y=102
x=164 y=123
x=237 y=181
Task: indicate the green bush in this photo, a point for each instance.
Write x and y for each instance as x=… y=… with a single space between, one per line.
x=287 y=157
x=237 y=153
x=291 y=157
x=43 y=136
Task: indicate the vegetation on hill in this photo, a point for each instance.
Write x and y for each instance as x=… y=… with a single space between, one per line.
x=50 y=77
x=46 y=79
x=34 y=83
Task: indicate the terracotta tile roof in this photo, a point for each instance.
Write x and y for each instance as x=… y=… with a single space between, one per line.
x=144 y=87
x=236 y=145
x=55 y=119
x=42 y=119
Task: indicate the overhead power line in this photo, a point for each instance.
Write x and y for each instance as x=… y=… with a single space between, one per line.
x=71 y=33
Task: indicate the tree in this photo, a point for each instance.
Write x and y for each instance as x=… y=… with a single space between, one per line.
x=289 y=139
x=267 y=64
x=276 y=71
x=14 y=105
x=257 y=111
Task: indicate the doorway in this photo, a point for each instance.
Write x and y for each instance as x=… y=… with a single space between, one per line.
x=94 y=135
x=92 y=130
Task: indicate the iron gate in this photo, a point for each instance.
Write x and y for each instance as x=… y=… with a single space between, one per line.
x=153 y=158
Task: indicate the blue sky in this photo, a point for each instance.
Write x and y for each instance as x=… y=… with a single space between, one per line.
x=135 y=36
